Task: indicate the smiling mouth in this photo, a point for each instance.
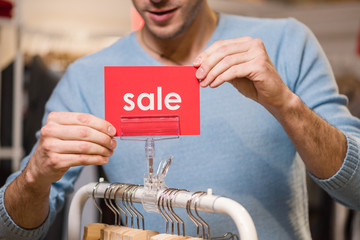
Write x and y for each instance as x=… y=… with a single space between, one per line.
x=162 y=16
x=162 y=12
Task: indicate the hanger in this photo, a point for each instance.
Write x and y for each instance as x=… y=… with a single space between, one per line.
x=133 y=233
x=108 y=232
x=196 y=221
x=169 y=205
x=93 y=231
x=171 y=197
x=160 y=206
x=118 y=206
x=201 y=221
x=117 y=231
x=149 y=233
x=166 y=199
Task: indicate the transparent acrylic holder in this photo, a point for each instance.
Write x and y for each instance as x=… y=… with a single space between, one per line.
x=151 y=129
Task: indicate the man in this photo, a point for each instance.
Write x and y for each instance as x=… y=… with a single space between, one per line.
x=275 y=112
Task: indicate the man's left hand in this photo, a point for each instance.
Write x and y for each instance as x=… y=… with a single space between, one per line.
x=244 y=63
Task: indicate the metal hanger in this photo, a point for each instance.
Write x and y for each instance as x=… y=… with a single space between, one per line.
x=118 y=187
x=191 y=216
x=129 y=193
x=107 y=202
x=172 y=195
x=135 y=188
x=94 y=199
x=203 y=223
x=160 y=211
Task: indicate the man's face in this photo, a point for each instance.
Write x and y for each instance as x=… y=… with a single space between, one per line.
x=167 y=18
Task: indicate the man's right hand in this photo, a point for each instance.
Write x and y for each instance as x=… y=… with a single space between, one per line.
x=66 y=140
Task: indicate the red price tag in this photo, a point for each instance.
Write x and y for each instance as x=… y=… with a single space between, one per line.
x=153 y=92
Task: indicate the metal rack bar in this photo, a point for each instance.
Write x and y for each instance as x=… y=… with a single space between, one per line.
x=207 y=203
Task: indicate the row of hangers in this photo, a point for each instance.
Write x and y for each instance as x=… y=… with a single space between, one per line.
x=101 y=231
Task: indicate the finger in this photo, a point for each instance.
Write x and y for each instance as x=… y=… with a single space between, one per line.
x=234 y=72
x=243 y=65
x=71 y=118
x=210 y=57
x=65 y=161
x=215 y=47
x=77 y=132
x=225 y=64
x=75 y=147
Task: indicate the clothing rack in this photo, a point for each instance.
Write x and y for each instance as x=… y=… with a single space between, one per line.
x=206 y=203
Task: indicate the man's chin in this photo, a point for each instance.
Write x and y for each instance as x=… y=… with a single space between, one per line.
x=167 y=34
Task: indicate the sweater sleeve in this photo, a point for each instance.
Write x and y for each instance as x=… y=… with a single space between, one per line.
x=9 y=229
x=66 y=97
x=309 y=75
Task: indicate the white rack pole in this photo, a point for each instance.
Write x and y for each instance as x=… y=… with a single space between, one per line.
x=207 y=203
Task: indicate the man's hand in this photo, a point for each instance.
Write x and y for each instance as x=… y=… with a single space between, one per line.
x=244 y=63
x=66 y=140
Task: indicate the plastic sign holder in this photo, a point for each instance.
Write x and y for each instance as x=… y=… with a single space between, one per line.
x=151 y=129
x=161 y=127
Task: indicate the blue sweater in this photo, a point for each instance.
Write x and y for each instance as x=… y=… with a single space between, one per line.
x=242 y=153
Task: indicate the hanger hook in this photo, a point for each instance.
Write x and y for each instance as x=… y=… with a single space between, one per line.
x=162 y=214
x=117 y=205
x=123 y=203
x=128 y=198
x=191 y=216
x=126 y=204
x=94 y=199
x=166 y=195
x=174 y=193
x=106 y=199
x=136 y=187
x=171 y=210
x=117 y=215
x=200 y=194
x=169 y=192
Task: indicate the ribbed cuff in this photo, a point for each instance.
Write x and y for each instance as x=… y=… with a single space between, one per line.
x=347 y=170
x=10 y=230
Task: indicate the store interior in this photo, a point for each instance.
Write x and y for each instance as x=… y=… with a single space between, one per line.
x=40 y=38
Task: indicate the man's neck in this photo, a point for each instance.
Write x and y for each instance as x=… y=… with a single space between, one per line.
x=182 y=49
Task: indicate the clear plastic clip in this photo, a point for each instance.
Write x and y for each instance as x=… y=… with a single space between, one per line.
x=151 y=129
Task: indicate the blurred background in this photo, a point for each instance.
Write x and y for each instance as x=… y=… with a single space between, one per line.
x=40 y=38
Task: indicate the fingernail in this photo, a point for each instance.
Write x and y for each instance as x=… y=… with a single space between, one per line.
x=197 y=61
x=203 y=84
x=200 y=73
x=111 y=130
x=113 y=143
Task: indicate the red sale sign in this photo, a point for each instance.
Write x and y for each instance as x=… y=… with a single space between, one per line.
x=144 y=101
